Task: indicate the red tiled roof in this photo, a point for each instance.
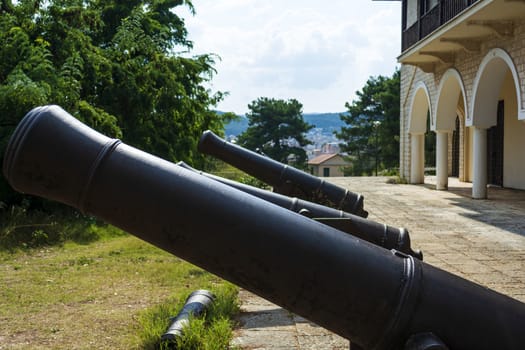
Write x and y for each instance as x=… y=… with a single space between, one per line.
x=322 y=158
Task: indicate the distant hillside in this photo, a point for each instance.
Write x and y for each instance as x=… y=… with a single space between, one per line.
x=328 y=122
x=236 y=127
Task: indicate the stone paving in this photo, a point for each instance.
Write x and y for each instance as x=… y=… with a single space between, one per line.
x=480 y=240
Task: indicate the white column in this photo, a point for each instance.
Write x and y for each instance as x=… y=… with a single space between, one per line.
x=417 y=161
x=441 y=160
x=479 y=179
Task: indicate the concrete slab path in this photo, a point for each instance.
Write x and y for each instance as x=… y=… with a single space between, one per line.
x=480 y=240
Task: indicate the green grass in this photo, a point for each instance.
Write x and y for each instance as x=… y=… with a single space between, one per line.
x=21 y=228
x=213 y=332
x=397 y=180
x=114 y=293
x=228 y=171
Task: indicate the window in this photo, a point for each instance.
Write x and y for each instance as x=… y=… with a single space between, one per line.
x=411 y=13
x=426 y=5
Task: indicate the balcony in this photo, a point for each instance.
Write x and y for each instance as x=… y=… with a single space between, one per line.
x=439 y=15
x=453 y=25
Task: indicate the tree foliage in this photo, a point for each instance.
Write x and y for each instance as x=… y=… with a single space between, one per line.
x=277 y=129
x=373 y=126
x=112 y=64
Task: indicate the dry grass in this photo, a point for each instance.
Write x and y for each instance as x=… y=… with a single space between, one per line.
x=88 y=296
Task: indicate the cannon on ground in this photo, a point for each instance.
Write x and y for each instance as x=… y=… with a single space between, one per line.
x=283 y=178
x=380 y=234
x=196 y=305
x=376 y=298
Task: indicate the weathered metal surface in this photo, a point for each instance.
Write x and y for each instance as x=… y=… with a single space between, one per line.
x=377 y=233
x=376 y=298
x=195 y=306
x=283 y=178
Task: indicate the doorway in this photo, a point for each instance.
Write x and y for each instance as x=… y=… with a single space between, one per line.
x=495 y=148
x=455 y=150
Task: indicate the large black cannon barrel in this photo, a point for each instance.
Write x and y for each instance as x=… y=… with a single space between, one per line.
x=380 y=234
x=284 y=179
x=378 y=299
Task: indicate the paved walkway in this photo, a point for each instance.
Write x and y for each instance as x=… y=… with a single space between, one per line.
x=481 y=240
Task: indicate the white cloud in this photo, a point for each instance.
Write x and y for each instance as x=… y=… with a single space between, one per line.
x=317 y=52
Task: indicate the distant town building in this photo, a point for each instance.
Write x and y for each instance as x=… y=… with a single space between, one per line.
x=314 y=153
x=331 y=147
x=326 y=148
x=463 y=75
x=327 y=165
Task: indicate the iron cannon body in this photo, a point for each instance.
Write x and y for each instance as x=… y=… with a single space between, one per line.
x=375 y=297
x=380 y=234
x=283 y=178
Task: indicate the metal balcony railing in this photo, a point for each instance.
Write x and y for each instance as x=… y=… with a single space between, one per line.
x=439 y=15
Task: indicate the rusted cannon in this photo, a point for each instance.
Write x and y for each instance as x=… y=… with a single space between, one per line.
x=376 y=298
x=377 y=233
x=283 y=178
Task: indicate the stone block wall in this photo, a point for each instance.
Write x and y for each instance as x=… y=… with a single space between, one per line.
x=467 y=64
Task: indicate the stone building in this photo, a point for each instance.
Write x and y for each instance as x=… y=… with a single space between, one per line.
x=327 y=165
x=463 y=78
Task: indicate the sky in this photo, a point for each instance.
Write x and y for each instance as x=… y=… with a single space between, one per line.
x=318 y=52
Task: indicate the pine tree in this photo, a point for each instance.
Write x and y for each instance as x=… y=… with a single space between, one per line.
x=372 y=134
x=277 y=129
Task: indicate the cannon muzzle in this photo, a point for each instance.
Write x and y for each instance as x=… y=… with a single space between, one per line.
x=283 y=178
x=376 y=298
x=377 y=233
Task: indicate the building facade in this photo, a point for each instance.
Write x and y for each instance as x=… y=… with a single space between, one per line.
x=463 y=78
x=328 y=165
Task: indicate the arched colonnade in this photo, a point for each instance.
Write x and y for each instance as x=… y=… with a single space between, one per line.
x=487 y=130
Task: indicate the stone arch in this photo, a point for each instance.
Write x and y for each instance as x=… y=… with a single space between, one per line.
x=489 y=84
x=486 y=89
x=450 y=90
x=419 y=109
x=450 y=99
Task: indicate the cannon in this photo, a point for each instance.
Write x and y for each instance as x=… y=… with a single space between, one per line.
x=376 y=298
x=283 y=178
x=195 y=306
x=380 y=234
